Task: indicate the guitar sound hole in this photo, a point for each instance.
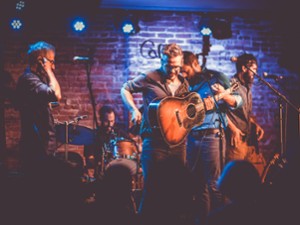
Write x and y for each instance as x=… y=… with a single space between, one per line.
x=191 y=111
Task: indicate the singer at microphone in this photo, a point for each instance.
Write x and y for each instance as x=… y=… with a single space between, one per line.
x=244 y=132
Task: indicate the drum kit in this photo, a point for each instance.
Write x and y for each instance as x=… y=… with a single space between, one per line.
x=124 y=152
x=120 y=151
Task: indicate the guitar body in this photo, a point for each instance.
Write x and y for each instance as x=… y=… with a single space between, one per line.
x=176 y=116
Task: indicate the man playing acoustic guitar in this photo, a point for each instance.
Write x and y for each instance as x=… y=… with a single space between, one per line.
x=206 y=142
x=157 y=84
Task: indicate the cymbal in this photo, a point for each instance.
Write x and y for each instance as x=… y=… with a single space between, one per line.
x=77 y=135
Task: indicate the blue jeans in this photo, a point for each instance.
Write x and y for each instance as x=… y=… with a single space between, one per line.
x=205 y=160
x=156 y=155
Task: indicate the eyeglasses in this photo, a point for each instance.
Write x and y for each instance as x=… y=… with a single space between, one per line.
x=172 y=67
x=51 y=61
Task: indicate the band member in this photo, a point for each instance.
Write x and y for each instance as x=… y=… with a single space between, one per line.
x=108 y=133
x=206 y=143
x=36 y=88
x=157 y=84
x=241 y=143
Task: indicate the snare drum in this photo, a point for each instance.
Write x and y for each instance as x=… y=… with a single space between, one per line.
x=125 y=148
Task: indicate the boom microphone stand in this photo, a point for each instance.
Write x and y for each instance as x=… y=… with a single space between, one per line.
x=282 y=99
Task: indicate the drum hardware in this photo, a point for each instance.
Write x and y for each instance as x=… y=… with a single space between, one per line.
x=106 y=155
x=68 y=132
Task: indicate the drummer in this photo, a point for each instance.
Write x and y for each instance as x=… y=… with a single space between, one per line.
x=107 y=135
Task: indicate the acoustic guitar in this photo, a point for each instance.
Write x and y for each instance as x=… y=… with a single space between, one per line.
x=176 y=116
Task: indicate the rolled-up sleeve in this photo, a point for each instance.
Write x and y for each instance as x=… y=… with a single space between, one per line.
x=135 y=85
x=239 y=101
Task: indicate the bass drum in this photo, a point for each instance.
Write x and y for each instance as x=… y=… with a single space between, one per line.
x=133 y=167
x=273 y=169
x=129 y=164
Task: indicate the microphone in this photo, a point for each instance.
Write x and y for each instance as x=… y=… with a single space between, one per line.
x=272 y=76
x=234 y=59
x=81 y=59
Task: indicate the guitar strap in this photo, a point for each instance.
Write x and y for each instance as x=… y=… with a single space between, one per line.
x=198 y=86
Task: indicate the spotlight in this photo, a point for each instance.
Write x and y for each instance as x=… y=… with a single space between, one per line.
x=204 y=26
x=20 y=5
x=205 y=31
x=128 y=28
x=219 y=27
x=79 y=25
x=129 y=25
x=16 y=24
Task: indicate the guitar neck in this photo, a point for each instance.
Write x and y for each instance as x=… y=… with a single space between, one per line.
x=220 y=96
x=209 y=103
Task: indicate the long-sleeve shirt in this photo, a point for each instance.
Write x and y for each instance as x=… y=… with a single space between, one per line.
x=217 y=115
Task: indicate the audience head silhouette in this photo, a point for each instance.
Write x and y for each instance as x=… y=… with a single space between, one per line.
x=239 y=181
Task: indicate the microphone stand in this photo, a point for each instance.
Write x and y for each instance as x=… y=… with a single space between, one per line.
x=67 y=123
x=282 y=98
x=221 y=122
x=88 y=67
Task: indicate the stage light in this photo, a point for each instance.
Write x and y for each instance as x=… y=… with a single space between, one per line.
x=16 y=24
x=218 y=27
x=20 y=5
x=128 y=28
x=129 y=25
x=79 y=25
x=205 y=31
x=204 y=26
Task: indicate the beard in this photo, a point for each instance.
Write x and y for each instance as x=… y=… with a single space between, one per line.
x=248 y=78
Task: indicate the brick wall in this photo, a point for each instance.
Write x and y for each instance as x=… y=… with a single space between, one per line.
x=117 y=58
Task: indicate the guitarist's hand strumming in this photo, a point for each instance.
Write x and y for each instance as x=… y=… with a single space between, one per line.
x=136 y=116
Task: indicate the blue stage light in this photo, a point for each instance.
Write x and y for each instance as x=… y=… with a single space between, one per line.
x=79 y=25
x=129 y=25
x=16 y=24
x=205 y=31
x=128 y=28
x=205 y=26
